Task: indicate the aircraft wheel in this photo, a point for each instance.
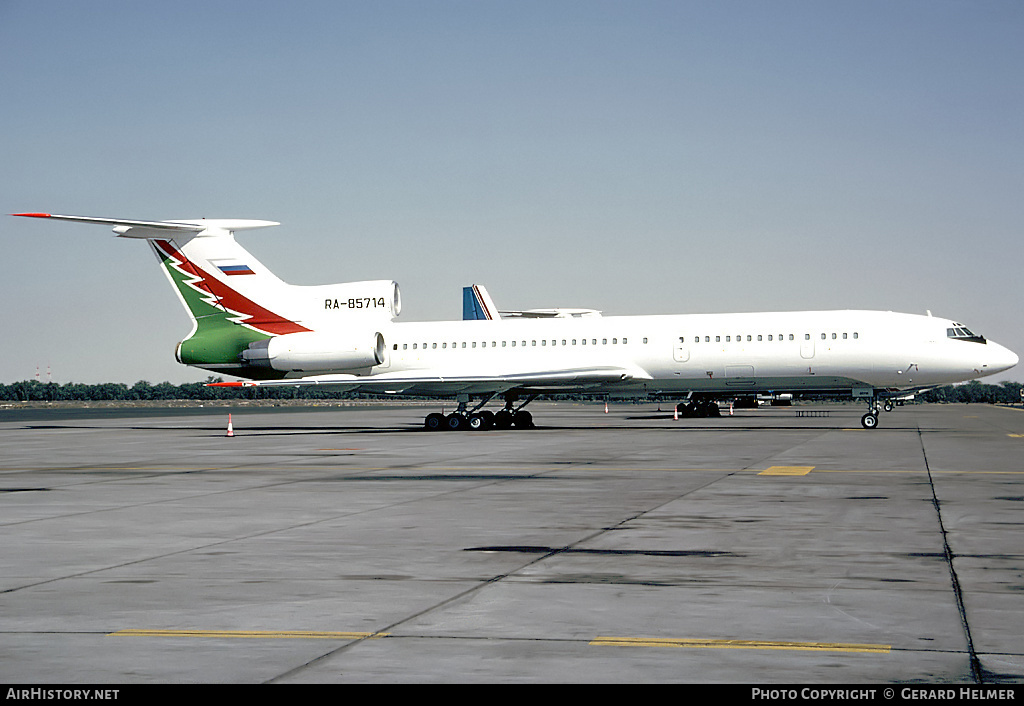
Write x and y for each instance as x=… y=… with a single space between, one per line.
x=455 y=422
x=869 y=420
x=523 y=420
x=503 y=419
x=434 y=422
x=477 y=422
x=887 y=406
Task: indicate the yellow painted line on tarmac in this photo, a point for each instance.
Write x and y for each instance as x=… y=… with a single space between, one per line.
x=739 y=644
x=1016 y=436
x=786 y=471
x=247 y=634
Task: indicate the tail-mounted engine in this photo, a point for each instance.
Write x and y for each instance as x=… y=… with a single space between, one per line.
x=316 y=352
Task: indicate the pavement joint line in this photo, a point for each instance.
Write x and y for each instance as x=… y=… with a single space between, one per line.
x=252 y=634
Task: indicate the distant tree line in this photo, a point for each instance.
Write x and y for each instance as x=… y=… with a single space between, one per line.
x=974 y=391
x=37 y=391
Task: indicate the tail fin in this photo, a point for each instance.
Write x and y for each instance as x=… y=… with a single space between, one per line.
x=233 y=300
x=477 y=304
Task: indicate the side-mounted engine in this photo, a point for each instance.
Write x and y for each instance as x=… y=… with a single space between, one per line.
x=312 y=351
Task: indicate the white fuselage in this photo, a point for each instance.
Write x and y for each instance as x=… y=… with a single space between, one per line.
x=742 y=352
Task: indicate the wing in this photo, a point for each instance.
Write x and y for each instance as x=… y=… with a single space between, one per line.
x=440 y=383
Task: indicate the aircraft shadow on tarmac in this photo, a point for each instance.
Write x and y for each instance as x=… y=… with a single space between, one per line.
x=417 y=428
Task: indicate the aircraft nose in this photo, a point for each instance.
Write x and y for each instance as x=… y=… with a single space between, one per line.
x=1001 y=359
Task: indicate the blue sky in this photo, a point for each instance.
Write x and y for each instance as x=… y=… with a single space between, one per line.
x=633 y=157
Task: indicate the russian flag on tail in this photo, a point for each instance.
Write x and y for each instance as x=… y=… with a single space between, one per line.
x=234 y=267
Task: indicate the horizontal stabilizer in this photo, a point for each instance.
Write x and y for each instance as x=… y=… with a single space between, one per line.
x=122 y=226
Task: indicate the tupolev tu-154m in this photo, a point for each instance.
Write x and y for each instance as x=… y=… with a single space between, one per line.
x=249 y=324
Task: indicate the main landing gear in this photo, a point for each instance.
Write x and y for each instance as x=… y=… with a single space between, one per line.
x=478 y=419
x=698 y=408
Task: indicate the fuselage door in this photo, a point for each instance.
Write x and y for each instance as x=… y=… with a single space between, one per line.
x=681 y=352
x=807 y=348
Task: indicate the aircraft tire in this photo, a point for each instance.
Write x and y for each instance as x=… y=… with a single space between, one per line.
x=455 y=422
x=435 y=421
x=503 y=419
x=523 y=420
x=477 y=422
x=869 y=421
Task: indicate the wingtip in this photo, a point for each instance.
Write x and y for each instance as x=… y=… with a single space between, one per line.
x=32 y=215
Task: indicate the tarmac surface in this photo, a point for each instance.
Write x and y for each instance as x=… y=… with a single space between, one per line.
x=349 y=545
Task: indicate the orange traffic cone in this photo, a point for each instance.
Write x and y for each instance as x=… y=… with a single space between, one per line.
x=675 y=413
x=231 y=432
x=606 y=407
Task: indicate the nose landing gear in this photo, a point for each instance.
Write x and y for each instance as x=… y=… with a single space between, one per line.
x=870 y=420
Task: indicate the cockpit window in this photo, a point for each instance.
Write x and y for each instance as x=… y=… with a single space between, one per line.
x=962 y=333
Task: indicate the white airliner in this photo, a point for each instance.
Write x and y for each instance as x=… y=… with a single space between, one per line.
x=250 y=324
